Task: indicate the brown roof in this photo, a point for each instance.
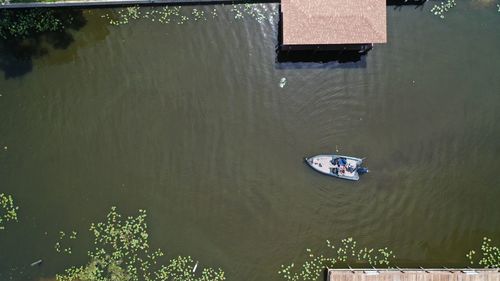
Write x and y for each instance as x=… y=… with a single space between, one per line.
x=314 y=22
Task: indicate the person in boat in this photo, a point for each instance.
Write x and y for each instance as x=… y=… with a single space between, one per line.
x=351 y=168
x=335 y=169
x=335 y=161
x=342 y=170
x=340 y=163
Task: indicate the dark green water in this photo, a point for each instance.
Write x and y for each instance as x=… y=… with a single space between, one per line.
x=189 y=122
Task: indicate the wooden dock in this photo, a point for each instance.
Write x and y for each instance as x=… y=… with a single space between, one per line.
x=409 y=274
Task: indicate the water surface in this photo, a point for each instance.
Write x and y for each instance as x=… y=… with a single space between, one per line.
x=189 y=122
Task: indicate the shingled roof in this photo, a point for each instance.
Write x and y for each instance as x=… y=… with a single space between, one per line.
x=326 y=22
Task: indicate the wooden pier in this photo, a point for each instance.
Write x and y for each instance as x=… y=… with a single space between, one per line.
x=412 y=274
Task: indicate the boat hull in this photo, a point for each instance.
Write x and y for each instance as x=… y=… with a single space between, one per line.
x=324 y=164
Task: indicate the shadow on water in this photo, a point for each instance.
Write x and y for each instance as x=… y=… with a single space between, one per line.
x=320 y=59
x=17 y=54
x=317 y=58
x=399 y=4
x=405 y=2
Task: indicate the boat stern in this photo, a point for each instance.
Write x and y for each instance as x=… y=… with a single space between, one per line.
x=362 y=170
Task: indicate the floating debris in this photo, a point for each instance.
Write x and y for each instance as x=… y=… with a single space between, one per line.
x=282 y=82
x=38 y=262
x=195 y=266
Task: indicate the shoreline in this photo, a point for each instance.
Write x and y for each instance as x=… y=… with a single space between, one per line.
x=118 y=3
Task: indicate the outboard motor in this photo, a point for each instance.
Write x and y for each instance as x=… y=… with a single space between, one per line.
x=362 y=170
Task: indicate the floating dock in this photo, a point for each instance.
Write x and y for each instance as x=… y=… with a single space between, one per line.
x=409 y=274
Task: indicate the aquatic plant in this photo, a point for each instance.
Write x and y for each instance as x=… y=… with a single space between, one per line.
x=26 y=22
x=258 y=12
x=122 y=253
x=198 y=14
x=214 y=13
x=8 y=210
x=442 y=8
x=164 y=15
x=123 y=16
x=183 y=268
x=62 y=235
x=489 y=255
x=347 y=251
x=181 y=15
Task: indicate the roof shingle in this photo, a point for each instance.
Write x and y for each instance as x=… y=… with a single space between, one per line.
x=318 y=22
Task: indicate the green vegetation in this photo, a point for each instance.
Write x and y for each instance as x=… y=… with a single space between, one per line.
x=181 y=15
x=489 y=255
x=122 y=253
x=442 y=8
x=22 y=23
x=345 y=253
x=252 y=11
x=62 y=236
x=26 y=34
x=164 y=15
x=8 y=210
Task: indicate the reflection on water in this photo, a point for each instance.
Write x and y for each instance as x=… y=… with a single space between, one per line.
x=17 y=54
x=189 y=122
